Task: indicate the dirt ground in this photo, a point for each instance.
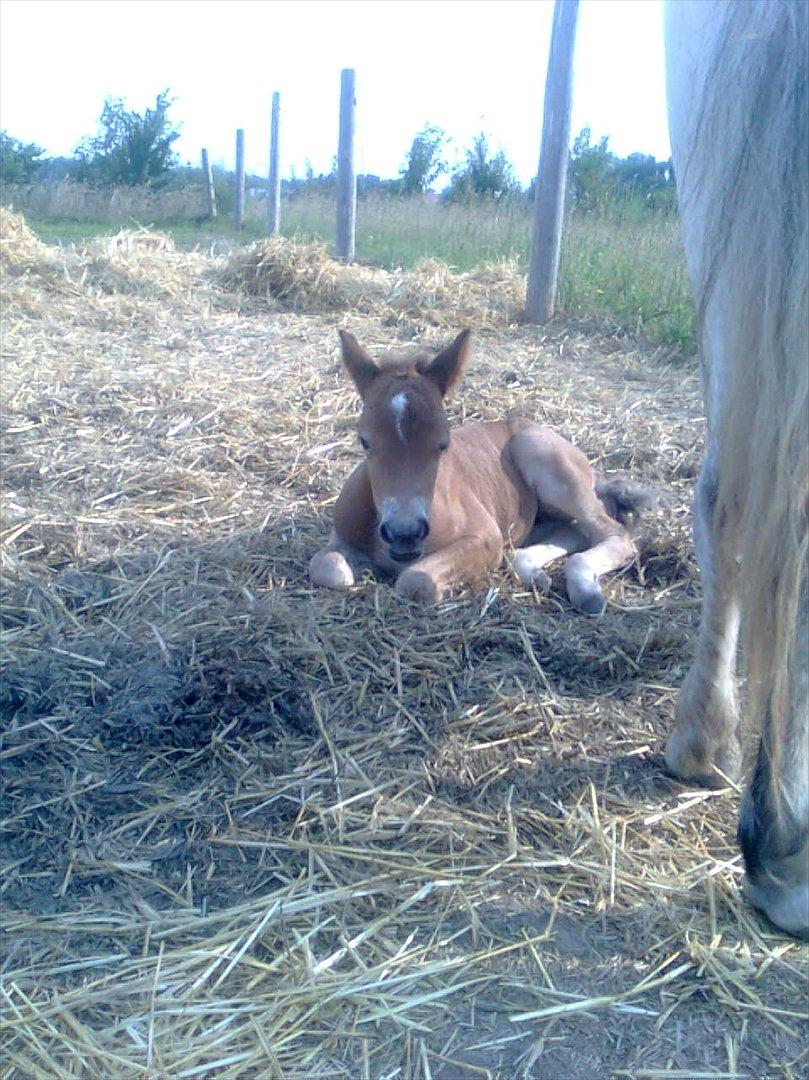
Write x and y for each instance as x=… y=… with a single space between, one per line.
x=255 y=830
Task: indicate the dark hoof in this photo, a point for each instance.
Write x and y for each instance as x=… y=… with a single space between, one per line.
x=786 y=906
x=592 y=604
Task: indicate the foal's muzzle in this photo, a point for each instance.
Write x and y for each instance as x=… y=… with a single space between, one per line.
x=405 y=538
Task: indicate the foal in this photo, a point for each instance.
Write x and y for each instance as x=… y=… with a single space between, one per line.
x=432 y=507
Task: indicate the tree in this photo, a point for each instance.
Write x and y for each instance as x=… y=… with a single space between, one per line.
x=424 y=162
x=592 y=169
x=52 y=169
x=598 y=177
x=484 y=174
x=371 y=184
x=641 y=175
x=18 y=160
x=129 y=148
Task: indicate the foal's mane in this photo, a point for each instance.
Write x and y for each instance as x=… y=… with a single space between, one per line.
x=405 y=365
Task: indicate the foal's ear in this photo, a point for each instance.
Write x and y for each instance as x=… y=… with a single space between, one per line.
x=446 y=371
x=360 y=366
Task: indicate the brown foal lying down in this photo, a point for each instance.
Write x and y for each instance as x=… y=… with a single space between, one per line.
x=432 y=507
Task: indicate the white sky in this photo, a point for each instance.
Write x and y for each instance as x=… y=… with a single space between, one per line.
x=461 y=64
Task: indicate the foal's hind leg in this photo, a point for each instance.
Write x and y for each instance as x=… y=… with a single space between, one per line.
x=704 y=743
x=530 y=562
x=563 y=481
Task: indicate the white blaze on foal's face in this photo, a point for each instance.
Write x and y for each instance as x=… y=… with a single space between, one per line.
x=398 y=404
x=404 y=431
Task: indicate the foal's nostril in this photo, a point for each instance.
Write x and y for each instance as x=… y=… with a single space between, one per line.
x=406 y=533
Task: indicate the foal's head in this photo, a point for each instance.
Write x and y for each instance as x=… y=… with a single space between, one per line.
x=403 y=431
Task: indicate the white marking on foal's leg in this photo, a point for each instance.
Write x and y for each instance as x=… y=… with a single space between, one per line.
x=529 y=561
x=399 y=405
x=528 y=565
x=582 y=571
x=331 y=570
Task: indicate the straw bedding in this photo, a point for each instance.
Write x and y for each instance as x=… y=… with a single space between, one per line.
x=253 y=830
x=302 y=274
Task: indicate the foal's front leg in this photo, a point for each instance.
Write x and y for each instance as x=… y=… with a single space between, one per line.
x=467 y=557
x=337 y=565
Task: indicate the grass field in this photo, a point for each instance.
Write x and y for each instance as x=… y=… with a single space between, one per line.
x=624 y=264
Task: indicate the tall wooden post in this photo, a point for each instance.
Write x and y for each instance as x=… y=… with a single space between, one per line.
x=549 y=198
x=274 y=194
x=238 y=202
x=210 y=190
x=346 y=176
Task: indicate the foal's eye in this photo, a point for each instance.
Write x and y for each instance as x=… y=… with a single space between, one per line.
x=364 y=442
x=443 y=445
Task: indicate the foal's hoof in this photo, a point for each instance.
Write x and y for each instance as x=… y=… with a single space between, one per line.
x=591 y=603
x=588 y=599
x=529 y=573
x=582 y=586
x=418 y=587
x=541 y=581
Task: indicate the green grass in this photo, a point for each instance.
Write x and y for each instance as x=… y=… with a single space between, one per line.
x=625 y=263
x=63 y=233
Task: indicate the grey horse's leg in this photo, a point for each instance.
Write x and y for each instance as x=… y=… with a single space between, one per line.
x=704 y=743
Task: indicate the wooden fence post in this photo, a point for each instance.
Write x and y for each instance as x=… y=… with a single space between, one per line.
x=210 y=190
x=549 y=197
x=238 y=202
x=346 y=177
x=274 y=194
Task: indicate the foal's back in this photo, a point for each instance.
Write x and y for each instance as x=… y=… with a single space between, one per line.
x=478 y=478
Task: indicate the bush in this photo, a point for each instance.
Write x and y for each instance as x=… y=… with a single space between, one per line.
x=18 y=160
x=598 y=178
x=129 y=148
x=591 y=172
x=424 y=162
x=484 y=174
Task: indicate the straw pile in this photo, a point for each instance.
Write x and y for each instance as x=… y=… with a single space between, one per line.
x=491 y=295
x=136 y=276
x=254 y=830
x=303 y=276
x=20 y=251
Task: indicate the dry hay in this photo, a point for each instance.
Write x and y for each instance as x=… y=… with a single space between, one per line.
x=304 y=277
x=20 y=251
x=490 y=295
x=252 y=830
x=143 y=263
x=133 y=277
